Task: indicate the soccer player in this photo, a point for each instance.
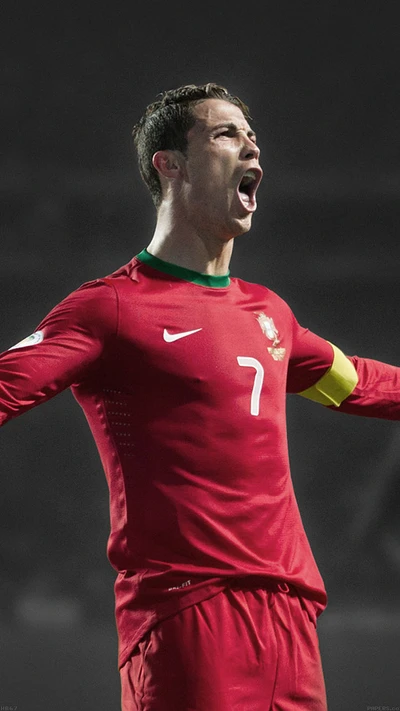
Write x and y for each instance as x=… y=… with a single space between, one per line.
x=182 y=372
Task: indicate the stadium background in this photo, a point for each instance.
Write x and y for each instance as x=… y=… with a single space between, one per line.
x=322 y=83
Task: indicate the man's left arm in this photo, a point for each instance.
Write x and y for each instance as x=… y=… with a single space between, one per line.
x=320 y=371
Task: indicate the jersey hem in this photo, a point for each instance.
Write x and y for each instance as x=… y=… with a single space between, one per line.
x=317 y=598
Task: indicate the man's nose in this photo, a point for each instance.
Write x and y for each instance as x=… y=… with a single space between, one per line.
x=249 y=149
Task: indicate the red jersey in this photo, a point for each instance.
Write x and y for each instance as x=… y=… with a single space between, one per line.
x=183 y=380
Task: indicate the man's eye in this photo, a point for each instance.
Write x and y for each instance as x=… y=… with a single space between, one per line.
x=225 y=132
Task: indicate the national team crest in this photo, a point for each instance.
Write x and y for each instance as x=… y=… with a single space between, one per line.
x=270 y=330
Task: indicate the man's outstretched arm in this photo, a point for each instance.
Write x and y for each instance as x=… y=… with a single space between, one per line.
x=67 y=342
x=321 y=372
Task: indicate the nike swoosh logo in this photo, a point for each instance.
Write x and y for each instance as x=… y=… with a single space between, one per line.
x=171 y=337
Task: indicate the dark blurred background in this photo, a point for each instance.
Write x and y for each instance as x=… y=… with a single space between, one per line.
x=322 y=83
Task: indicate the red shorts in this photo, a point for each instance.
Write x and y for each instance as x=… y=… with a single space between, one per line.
x=245 y=649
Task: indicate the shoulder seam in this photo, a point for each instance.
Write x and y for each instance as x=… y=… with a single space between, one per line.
x=110 y=282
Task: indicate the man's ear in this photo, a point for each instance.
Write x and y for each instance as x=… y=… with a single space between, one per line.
x=167 y=163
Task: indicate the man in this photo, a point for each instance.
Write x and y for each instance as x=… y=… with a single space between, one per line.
x=182 y=373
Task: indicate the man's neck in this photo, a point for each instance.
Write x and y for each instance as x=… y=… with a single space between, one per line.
x=186 y=248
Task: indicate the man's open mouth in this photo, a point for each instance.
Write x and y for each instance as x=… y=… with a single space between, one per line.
x=247 y=188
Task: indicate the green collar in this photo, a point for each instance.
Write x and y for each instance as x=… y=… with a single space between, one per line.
x=217 y=282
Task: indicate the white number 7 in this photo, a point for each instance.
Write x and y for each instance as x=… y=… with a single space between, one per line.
x=258 y=381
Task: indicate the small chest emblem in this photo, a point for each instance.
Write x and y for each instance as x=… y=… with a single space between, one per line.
x=271 y=332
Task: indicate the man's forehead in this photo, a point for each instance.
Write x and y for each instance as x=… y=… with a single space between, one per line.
x=212 y=112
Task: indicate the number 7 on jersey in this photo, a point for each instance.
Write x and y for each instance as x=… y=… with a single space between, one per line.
x=248 y=362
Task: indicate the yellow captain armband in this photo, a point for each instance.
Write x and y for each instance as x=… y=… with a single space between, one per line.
x=337 y=383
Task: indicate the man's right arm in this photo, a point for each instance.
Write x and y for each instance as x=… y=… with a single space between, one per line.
x=71 y=338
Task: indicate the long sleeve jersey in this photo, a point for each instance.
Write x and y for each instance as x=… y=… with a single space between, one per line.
x=183 y=380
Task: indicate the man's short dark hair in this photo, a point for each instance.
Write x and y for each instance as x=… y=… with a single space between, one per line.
x=166 y=122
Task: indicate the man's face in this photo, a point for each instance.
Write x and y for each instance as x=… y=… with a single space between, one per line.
x=222 y=172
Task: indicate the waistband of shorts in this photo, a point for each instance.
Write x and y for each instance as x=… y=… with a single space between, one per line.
x=254 y=582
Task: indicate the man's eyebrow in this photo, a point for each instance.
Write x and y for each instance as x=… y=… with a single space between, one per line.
x=233 y=127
